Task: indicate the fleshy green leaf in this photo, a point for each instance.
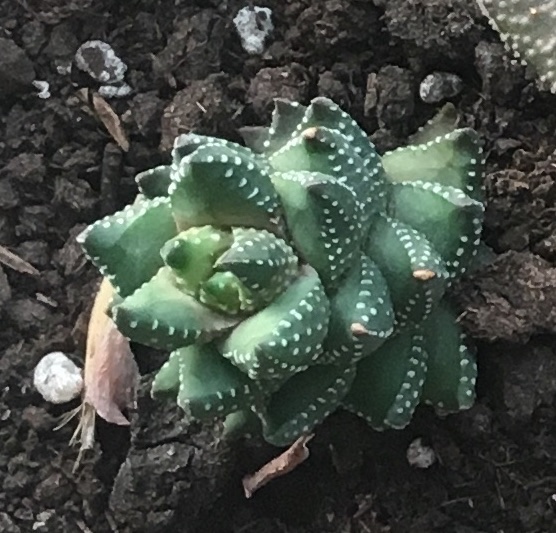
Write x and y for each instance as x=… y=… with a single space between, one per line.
x=304 y=401
x=286 y=120
x=225 y=292
x=154 y=182
x=415 y=272
x=452 y=370
x=454 y=159
x=255 y=137
x=125 y=246
x=527 y=29
x=160 y=315
x=324 y=218
x=244 y=423
x=221 y=185
x=324 y=112
x=265 y=264
x=211 y=386
x=320 y=149
x=389 y=383
x=187 y=143
x=284 y=337
x=443 y=123
x=450 y=220
x=167 y=379
x=361 y=314
x=192 y=254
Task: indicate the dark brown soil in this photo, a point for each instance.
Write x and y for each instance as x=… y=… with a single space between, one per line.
x=59 y=170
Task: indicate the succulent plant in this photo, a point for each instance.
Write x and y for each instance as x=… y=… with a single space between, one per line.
x=301 y=274
x=527 y=29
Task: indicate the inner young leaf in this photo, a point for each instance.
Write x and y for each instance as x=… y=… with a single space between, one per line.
x=264 y=263
x=285 y=336
x=161 y=315
x=192 y=254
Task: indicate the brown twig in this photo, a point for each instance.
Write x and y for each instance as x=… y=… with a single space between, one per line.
x=277 y=467
x=16 y=263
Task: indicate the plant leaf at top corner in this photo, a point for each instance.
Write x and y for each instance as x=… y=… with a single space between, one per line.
x=326 y=113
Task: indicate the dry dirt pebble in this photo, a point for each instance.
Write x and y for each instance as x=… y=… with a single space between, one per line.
x=60 y=170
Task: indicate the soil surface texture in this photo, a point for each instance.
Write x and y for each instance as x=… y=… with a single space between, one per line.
x=60 y=169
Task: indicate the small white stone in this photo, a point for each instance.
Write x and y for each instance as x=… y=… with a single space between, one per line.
x=420 y=456
x=115 y=91
x=43 y=88
x=253 y=26
x=57 y=378
x=99 y=60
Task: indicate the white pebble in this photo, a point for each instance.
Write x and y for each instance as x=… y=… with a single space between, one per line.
x=420 y=456
x=57 y=378
x=115 y=91
x=43 y=88
x=100 y=61
x=253 y=26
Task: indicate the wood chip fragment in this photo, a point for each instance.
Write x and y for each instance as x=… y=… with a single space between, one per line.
x=104 y=112
x=111 y=121
x=16 y=263
x=277 y=467
x=46 y=300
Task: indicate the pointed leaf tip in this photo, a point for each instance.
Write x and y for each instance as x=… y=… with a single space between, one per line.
x=125 y=246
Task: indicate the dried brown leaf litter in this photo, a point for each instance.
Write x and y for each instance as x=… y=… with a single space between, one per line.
x=296 y=454
x=110 y=375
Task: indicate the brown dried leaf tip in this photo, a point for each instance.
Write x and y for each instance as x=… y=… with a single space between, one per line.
x=424 y=275
x=279 y=466
x=110 y=376
x=107 y=116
